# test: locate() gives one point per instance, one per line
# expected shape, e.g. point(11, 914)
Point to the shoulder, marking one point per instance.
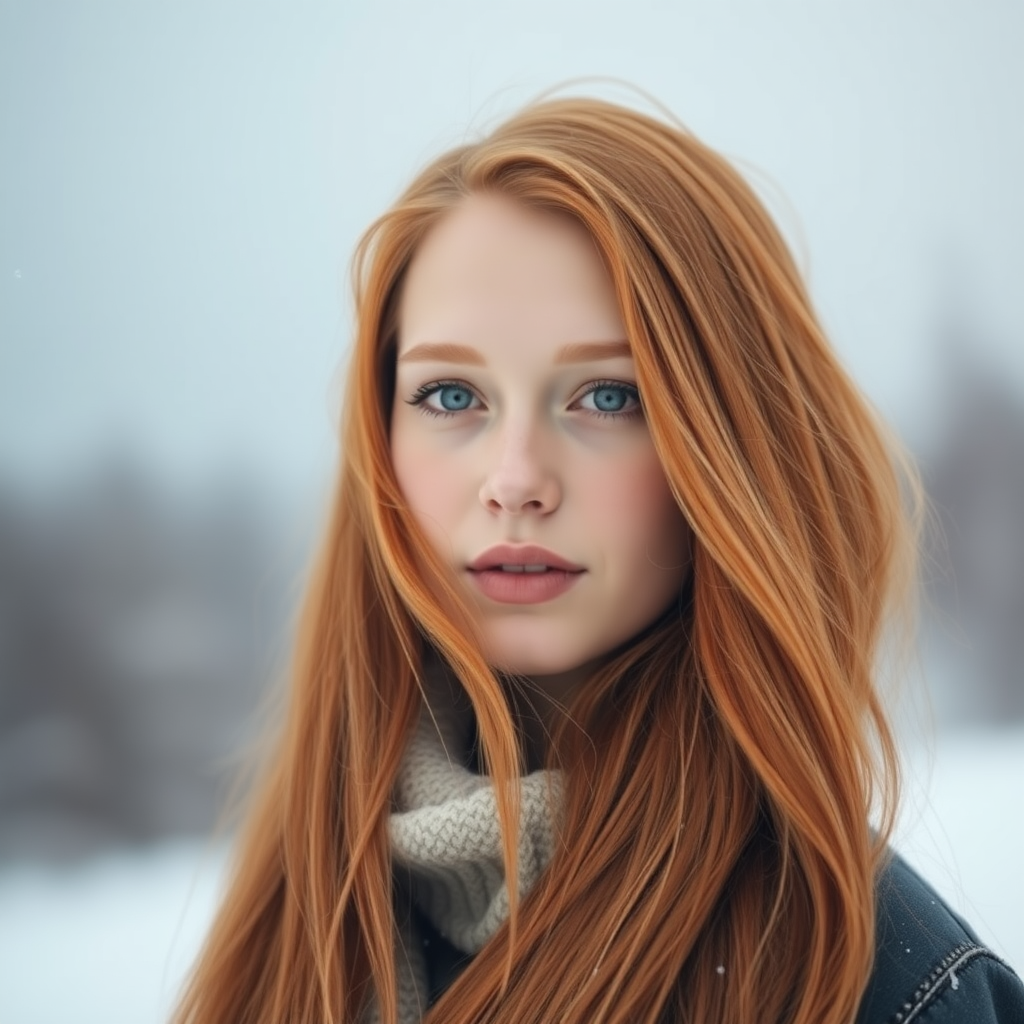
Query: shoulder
point(930, 967)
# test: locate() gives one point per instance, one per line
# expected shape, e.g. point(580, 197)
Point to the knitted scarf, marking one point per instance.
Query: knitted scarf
point(445, 835)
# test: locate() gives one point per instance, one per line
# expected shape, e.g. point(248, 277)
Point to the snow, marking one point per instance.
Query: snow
point(105, 942)
point(109, 941)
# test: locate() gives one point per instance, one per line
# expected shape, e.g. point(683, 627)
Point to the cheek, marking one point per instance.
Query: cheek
point(429, 485)
point(414, 473)
point(633, 506)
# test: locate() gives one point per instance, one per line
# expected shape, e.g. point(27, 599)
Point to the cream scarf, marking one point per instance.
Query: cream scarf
point(444, 832)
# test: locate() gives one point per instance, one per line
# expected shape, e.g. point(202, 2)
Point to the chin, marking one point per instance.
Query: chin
point(552, 645)
point(517, 659)
point(534, 668)
point(536, 658)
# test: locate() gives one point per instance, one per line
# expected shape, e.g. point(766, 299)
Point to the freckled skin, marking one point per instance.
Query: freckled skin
point(530, 455)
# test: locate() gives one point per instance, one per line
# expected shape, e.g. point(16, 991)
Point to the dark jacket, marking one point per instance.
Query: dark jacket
point(930, 967)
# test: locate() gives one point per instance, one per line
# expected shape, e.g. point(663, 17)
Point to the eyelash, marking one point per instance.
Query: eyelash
point(420, 396)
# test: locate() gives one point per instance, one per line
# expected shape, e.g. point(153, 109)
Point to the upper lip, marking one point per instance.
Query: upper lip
point(521, 554)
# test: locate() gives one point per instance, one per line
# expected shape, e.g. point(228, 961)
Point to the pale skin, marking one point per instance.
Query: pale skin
point(517, 420)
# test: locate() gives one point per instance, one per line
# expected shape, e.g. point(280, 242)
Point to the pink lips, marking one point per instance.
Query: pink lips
point(521, 554)
point(497, 574)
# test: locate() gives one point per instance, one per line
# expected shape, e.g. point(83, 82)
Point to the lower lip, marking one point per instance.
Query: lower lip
point(523, 587)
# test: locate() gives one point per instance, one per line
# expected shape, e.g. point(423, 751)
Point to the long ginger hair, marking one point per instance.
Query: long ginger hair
point(722, 769)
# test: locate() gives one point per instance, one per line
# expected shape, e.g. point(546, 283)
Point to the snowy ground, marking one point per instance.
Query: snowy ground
point(109, 942)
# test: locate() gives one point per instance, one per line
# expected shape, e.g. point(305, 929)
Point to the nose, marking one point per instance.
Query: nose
point(521, 477)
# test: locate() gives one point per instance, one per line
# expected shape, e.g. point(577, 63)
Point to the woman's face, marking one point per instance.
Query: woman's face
point(519, 442)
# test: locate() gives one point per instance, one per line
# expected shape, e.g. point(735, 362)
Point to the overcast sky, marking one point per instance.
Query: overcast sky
point(181, 186)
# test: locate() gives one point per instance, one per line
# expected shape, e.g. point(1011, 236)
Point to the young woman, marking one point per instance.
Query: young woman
point(582, 723)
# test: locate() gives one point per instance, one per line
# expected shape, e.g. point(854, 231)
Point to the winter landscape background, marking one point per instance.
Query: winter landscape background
point(180, 191)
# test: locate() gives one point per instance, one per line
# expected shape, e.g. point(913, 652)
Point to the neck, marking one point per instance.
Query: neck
point(540, 706)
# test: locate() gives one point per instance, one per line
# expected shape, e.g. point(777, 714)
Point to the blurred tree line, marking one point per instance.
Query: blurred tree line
point(138, 632)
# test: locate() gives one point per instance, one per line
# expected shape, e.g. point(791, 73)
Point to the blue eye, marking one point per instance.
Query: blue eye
point(610, 398)
point(451, 397)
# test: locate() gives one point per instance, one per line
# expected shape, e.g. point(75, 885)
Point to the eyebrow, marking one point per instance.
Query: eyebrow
point(576, 352)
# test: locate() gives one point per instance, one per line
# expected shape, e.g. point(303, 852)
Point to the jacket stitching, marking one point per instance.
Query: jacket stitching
point(944, 972)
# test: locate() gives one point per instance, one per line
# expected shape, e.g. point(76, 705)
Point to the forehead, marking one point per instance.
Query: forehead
point(494, 268)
